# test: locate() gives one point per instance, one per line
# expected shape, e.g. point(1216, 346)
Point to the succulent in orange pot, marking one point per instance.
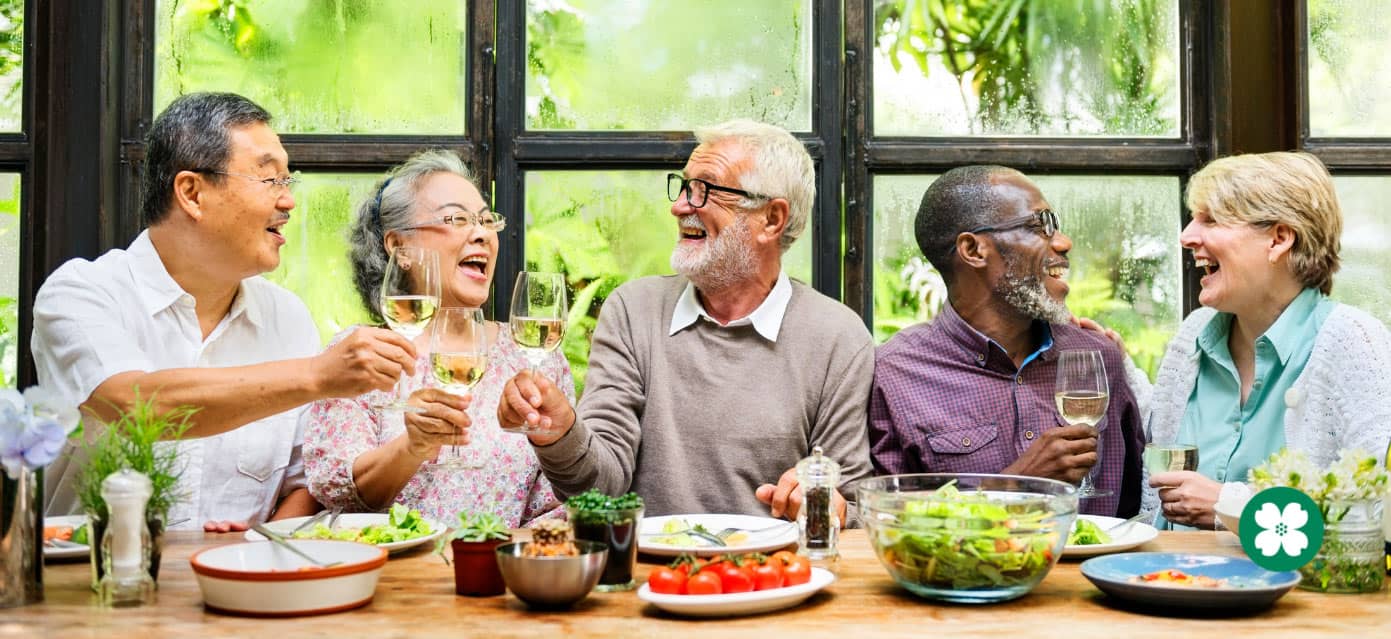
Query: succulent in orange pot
point(474, 543)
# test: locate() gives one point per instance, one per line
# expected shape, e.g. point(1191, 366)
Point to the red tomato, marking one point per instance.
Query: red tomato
point(666, 581)
point(785, 556)
point(797, 572)
point(735, 579)
point(767, 575)
point(704, 583)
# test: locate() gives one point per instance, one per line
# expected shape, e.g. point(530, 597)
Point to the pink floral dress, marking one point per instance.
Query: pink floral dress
point(508, 480)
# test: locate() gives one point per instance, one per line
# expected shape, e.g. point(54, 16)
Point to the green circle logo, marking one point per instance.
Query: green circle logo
point(1281, 529)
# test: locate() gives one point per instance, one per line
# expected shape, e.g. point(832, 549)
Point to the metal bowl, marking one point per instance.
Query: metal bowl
point(552, 582)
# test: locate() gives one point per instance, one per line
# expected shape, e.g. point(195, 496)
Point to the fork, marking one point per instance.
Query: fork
point(319, 516)
point(278, 539)
point(1136, 518)
point(723, 534)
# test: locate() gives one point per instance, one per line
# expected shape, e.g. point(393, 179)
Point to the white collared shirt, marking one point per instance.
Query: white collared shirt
point(766, 319)
point(124, 312)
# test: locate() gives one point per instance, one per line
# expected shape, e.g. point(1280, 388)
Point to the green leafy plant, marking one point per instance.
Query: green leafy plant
point(141, 440)
point(592, 506)
point(475, 527)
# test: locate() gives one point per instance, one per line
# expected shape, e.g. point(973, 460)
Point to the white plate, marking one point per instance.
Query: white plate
point(354, 520)
point(65, 552)
point(1124, 538)
point(783, 535)
point(743, 603)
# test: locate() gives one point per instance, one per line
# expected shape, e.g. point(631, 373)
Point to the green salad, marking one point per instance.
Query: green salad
point(401, 524)
point(1086, 533)
point(959, 541)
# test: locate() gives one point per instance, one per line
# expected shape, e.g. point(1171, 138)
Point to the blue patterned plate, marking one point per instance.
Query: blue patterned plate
point(1245, 586)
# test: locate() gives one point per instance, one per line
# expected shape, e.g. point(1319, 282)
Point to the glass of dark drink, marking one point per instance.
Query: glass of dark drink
point(613, 522)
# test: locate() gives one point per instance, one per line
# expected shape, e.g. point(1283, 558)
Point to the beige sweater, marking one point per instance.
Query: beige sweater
point(694, 422)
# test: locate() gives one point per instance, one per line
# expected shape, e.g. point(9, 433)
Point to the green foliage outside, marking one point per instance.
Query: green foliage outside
point(11, 63)
point(9, 304)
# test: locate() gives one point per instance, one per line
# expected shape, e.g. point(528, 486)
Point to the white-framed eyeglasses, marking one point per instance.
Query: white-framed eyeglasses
point(287, 182)
point(488, 219)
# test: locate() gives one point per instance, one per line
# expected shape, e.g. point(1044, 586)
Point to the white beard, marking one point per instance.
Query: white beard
point(717, 263)
point(1026, 294)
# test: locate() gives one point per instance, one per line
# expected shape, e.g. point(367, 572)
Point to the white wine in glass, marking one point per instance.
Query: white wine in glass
point(458, 361)
point(1082, 395)
point(539, 312)
point(410, 294)
point(1163, 458)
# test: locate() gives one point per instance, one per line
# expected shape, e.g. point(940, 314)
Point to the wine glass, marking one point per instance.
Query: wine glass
point(458, 359)
point(1163, 458)
point(539, 309)
point(410, 294)
point(1081, 395)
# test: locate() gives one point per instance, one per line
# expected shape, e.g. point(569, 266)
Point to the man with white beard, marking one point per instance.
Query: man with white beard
point(972, 390)
point(705, 388)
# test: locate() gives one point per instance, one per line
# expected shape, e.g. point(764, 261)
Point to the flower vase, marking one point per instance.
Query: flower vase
point(1352, 558)
point(98, 530)
point(21, 538)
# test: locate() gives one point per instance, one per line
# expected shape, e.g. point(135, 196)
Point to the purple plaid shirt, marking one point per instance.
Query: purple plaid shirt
point(949, 399)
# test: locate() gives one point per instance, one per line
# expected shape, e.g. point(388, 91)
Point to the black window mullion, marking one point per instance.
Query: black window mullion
point(824, 226)
point(858, 260)
point(509, 122)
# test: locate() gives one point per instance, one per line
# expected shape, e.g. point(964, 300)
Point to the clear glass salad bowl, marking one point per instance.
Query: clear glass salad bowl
point(967, 538)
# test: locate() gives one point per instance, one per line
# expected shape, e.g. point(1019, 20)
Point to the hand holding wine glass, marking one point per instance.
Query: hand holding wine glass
point(539, 313)
point(1082, 395)
point(409, 296)
point(458, 359)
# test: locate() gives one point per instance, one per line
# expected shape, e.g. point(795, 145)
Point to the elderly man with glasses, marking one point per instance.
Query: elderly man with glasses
point(705, 388)
point(181, 317)
point(972, 391)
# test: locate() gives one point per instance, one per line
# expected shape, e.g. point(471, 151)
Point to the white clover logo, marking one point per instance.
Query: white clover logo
point(1281, 529)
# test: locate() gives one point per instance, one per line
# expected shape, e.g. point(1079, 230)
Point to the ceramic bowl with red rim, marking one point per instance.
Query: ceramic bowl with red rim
point(261, 579)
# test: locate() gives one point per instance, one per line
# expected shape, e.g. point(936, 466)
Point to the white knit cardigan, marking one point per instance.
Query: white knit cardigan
point(1341, 400)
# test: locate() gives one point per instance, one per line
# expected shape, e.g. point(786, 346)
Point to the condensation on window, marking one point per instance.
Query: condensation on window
point(604, 228)
point(1366, 263)
point(1027, 68)
point(1124, 265)
point(322, 66)
point(9, 276)
point(604, 65)
point(1349, 94)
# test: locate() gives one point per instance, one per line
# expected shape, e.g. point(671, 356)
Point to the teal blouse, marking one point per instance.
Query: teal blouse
point(1232, 438)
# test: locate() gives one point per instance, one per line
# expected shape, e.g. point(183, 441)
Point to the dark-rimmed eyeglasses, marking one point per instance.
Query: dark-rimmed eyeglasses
point(698, 190)
point(1044, 221)
point(288, 182)
point(488, 219)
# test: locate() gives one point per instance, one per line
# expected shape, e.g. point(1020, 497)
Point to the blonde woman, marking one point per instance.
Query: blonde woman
point(1269, 361)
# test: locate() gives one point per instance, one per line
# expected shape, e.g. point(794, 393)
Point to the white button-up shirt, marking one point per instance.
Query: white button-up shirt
point(766, 319)
point(124, 312)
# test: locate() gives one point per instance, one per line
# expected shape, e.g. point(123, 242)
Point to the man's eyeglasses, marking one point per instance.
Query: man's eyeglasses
point(1045, 221)
point(698, 190)
point(490, 220)
point(288, 182)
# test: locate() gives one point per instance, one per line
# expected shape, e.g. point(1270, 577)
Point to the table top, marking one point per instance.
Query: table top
point(415, 597)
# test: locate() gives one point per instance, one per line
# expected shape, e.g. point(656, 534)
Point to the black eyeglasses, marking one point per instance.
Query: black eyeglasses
point(1046, 222)
point(288, 182)
point(698, 190)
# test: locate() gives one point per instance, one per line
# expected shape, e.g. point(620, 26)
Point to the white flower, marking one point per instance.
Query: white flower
point(1281, 529)
point(33, 429)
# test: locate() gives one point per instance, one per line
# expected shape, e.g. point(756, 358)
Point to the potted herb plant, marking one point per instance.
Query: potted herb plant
point(132, 441)
point(474, 542)
point(612, 521)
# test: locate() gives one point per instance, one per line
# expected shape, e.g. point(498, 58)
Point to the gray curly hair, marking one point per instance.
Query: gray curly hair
point(391, 207)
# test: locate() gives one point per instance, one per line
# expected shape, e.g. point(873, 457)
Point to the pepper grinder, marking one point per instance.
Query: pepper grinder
point(817, 527)
point(126, 544)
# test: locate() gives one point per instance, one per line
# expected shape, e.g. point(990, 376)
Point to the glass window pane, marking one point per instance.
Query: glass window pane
point(314, 261)
point(9, 278)
point(366, 66)
point(1348, 65)
point(11, 68)
point(658, 65)
point(603, 228)
point(1366, 233)
point(1125, 260)
point(1026, 68)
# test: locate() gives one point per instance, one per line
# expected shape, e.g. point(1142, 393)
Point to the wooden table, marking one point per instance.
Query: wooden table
point(415, 598)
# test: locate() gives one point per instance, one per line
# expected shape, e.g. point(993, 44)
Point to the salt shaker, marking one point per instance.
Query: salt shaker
point(817, 478)
point(126, 545)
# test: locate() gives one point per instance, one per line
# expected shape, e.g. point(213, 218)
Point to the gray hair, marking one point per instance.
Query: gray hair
point(960, 199)
point(191, 134)
point(391, 207)
point(781, 168)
